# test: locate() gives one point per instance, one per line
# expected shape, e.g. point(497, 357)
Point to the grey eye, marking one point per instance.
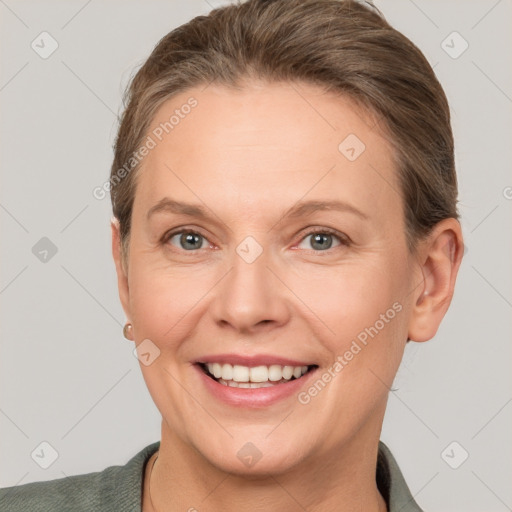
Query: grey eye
point(188, 240)
point(320, 241)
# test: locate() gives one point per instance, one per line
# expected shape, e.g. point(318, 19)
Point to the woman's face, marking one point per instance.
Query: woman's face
point(248, 269)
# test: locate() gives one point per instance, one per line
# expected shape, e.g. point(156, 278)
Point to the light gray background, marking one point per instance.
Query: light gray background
point(68, 377)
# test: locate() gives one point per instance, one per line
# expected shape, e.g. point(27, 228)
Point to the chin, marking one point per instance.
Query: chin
point(259, 457)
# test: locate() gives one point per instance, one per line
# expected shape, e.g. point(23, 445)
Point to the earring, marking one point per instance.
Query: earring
point(127, 330)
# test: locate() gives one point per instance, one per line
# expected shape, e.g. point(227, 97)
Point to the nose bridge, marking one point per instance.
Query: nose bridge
point(250, 294)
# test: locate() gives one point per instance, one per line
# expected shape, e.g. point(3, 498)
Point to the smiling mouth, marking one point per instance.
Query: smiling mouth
point(238, 376)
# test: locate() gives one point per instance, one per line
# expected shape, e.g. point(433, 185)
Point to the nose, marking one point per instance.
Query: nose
point(250, 298)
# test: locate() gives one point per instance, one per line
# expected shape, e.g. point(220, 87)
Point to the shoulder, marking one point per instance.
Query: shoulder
point(114, 488)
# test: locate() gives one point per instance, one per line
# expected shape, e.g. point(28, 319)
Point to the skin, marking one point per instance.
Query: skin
point(248, 156)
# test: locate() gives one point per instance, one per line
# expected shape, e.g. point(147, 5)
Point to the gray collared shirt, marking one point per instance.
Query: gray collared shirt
point(119, 488)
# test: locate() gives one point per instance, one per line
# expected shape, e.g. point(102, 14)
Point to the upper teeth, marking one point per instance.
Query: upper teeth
point(239, 373)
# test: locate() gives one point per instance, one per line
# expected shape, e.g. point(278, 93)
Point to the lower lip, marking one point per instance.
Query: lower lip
point(253, 397)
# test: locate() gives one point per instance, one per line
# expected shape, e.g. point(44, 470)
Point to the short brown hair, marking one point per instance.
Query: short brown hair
point(343, 46)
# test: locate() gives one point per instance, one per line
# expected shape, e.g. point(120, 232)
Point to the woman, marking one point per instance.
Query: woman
point(285, 221)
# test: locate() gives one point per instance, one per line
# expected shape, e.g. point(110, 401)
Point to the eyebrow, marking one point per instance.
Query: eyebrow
point(300, 209)
point(306, 207)
point(167, 205)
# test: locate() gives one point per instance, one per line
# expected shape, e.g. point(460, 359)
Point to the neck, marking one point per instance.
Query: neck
point(182, 479)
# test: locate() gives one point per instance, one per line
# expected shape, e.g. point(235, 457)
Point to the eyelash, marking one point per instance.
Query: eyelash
point(343, 239)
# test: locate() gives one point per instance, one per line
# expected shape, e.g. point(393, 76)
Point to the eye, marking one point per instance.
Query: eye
point(322, 239)
point(187, 240)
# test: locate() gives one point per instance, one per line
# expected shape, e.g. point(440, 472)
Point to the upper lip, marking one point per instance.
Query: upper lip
point(252, 360)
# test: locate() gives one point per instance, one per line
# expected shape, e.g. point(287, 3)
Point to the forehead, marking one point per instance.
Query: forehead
point(266, 142)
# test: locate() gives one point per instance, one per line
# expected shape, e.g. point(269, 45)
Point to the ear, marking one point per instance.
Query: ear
point(122, 274)
point(440, 256)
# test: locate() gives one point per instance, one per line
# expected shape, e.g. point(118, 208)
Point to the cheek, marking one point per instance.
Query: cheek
point(350, 298)
point(166, 301)
point(365, 310)
point(165, 306)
